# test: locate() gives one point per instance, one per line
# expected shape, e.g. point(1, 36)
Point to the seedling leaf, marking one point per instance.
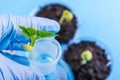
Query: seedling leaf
point(28, 32)
point(44, 34)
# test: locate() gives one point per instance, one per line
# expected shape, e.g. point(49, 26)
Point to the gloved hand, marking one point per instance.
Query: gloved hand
point(11, 38)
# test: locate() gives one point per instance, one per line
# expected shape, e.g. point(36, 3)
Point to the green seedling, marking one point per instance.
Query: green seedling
point(34, 35)
point(66, 15)
point(86, 56)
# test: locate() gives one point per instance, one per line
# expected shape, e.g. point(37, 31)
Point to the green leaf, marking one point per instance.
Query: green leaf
point(24, 31)
point(28, 32)
point(31, 32)
point(44, 34)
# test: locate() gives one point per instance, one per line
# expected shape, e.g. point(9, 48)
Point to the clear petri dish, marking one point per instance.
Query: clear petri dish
point(64, 71)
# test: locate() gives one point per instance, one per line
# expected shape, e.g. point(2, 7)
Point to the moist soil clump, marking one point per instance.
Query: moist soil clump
point(54, 11)
point(96, 69)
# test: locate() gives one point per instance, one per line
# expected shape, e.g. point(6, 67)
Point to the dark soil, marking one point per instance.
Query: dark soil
point(68, 29)
point(96, 69)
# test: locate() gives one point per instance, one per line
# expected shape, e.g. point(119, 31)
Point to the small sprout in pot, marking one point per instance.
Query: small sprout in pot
point(86, 56)
point(66, 15)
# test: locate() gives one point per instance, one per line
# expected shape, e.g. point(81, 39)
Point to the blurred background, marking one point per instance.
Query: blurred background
point(98, 19)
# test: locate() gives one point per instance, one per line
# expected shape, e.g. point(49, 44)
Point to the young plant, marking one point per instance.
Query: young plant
point(34, 35)
point(66, 15)
point(86, 56)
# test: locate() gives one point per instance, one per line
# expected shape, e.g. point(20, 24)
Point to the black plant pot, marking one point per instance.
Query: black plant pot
point(98, 68)
point(54, 11)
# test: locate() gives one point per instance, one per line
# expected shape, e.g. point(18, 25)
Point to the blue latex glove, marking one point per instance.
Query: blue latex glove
point(10, 34)
point(11, 38)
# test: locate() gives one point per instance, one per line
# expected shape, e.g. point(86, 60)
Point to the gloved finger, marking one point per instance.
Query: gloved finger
point(19, 59)
point(16, 46)
point(36, 22)
point(45, 24)
point(10, 70)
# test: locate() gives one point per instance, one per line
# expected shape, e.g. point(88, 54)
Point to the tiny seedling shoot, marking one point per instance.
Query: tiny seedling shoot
point(34, 35)
point(86, 56)
point(66, 15)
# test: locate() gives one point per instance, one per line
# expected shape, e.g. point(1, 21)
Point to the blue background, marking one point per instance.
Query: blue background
point(99, 19)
